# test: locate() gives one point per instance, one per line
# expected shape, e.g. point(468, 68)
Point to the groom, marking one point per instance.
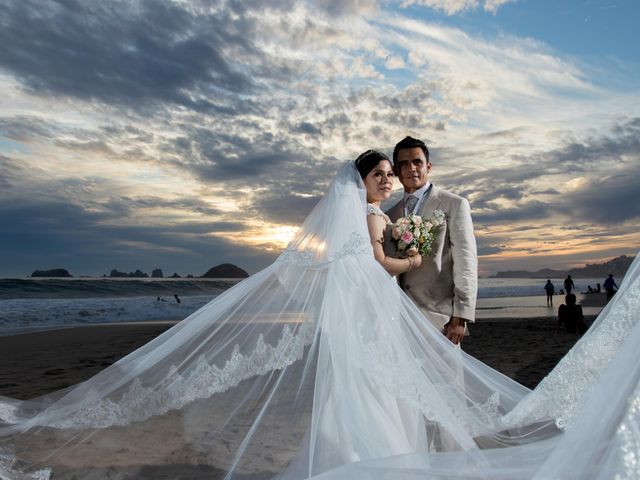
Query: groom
point(445, 286)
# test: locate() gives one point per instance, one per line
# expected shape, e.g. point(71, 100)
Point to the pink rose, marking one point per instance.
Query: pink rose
point(403, 221)
point(407, 237)
point(417, 220)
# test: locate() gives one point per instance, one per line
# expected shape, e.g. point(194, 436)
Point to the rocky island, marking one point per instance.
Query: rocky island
point(225, 270)
point(137, 274)
point(54, 272)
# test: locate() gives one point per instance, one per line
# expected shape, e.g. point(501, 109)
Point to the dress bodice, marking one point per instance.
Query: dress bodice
point(373, 210)
point(387, 246)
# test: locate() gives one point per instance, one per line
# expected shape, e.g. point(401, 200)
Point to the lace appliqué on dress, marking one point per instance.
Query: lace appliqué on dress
point(177, 390)
point(356, 244)
point(373, 210)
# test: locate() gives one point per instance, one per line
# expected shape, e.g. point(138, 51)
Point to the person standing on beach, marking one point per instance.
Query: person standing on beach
point(445, 286)
point(610, 286)
point(568, 284)
point(551, 290)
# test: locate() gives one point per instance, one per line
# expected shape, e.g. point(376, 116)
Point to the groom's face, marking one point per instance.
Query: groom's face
point(413, 168)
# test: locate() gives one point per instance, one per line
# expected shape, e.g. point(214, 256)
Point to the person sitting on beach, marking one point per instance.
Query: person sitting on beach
point(590, 290)
point(571, 315)
point(610, 286)
point(550, 289)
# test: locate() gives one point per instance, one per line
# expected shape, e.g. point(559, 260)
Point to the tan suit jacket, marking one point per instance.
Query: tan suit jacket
point(446, 284)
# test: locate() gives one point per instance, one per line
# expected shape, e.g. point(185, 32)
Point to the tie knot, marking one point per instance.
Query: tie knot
point(410, 203)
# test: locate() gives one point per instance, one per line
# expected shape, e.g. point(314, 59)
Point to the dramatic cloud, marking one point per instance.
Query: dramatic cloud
point(126, 52)
point(451, 7)
point(144, 132)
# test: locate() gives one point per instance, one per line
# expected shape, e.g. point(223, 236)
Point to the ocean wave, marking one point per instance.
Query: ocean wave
point(108, 287)
point(41, 313)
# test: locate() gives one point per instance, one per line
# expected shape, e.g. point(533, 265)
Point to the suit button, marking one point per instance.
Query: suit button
point(407, 287)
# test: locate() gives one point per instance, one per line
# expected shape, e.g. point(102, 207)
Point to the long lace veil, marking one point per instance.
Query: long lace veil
point(317, 365)
point(594, 396)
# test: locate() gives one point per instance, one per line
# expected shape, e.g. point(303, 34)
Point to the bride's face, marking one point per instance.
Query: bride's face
point(379, 182)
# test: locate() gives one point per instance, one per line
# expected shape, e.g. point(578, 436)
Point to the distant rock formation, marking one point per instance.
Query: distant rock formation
point(157, 273)
point(175, 275)
point(54, 272)
point(137, 274)
point(226, 270)
point(617, 266)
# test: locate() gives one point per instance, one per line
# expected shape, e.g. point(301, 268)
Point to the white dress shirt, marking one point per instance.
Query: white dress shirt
point(420, 194)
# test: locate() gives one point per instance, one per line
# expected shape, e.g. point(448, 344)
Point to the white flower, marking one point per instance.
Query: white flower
point(438, 218)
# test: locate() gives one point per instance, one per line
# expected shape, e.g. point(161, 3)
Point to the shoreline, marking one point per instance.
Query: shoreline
point(528, 307)
point(37, 363)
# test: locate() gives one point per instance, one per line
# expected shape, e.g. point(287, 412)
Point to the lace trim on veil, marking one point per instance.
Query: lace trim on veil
point(8, 472)
point(561, 393)
point(8, 413)
point(628, 439)
point(177, 390)
point(400, 381)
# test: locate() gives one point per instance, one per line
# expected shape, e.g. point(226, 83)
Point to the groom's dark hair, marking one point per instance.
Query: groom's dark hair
point(409, 142)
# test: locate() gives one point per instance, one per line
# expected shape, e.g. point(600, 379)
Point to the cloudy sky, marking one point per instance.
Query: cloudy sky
point(182, 134)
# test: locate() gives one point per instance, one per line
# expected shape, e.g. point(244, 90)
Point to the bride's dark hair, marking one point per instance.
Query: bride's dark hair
point(368, 160)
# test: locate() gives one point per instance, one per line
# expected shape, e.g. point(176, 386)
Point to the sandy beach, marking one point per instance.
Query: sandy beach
point(37, 363)
point(524, 350)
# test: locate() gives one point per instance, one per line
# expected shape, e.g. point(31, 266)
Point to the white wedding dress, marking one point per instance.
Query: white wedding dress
point(319, 366)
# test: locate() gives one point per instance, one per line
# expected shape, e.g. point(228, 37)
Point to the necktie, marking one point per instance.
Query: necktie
point(410, 203)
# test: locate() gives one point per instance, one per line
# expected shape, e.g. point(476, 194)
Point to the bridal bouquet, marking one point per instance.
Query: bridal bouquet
point(414, 235)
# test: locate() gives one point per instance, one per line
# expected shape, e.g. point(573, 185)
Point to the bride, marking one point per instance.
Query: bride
point(319, 366)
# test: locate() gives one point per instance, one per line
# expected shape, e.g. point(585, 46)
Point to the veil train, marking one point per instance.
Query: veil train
point(320, 366)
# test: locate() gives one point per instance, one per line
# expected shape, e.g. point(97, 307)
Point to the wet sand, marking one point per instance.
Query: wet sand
point(37, 363)
point(524, 350)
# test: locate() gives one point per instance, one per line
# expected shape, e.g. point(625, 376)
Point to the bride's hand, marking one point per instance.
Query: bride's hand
point(416, 261)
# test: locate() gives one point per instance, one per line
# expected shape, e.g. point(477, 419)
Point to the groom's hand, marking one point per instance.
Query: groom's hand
point(454, 329)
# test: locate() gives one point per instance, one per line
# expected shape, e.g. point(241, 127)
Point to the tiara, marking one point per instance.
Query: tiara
point(366, 154)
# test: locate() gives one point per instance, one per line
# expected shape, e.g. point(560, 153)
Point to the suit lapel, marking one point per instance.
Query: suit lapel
point(431, 203)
